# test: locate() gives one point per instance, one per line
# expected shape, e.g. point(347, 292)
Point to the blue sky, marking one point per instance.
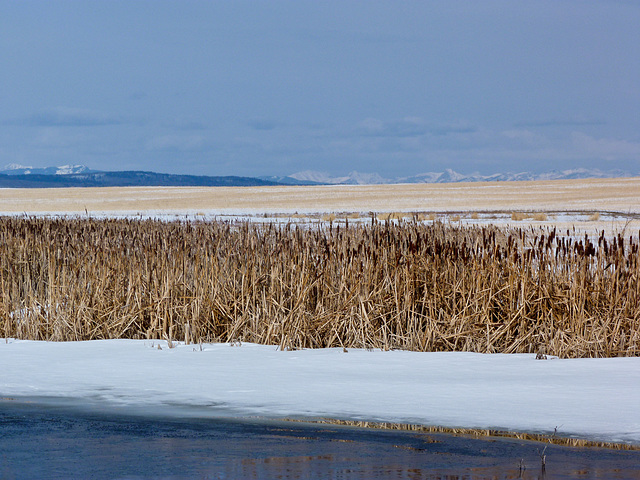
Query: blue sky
point(276, 87)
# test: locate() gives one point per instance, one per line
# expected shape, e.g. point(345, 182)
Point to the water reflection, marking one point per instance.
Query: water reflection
point(54, 443)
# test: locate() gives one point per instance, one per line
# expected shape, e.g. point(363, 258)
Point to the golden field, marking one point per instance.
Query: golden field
point(587, 205)
point(620, 195)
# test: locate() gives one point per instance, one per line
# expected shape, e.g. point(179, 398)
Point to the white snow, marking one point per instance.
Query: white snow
point(69, 169)
point(15, 166)
point(588, 398)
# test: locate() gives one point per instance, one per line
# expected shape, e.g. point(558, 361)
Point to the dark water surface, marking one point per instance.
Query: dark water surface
point(48, 442)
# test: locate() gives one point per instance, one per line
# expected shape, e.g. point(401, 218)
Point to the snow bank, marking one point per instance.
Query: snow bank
point(590, 398)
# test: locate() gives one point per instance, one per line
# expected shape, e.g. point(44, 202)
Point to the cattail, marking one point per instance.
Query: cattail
point(381, 285)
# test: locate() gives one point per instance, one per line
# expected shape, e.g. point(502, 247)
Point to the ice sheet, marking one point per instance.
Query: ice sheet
point(589, 398)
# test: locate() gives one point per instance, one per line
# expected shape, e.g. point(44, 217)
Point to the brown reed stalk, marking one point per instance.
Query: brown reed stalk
point(476, 432)
point(393, 284)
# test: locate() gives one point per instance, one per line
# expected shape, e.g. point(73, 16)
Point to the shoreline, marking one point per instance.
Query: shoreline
point(71, 406)
point(576, 442)
point(439, 391)
point(105, 445)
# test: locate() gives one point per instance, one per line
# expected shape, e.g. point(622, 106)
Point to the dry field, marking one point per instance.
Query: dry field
point(589, 205)
point(619, 194)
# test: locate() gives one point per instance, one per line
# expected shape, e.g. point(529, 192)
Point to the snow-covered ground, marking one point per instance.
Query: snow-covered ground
point(576, 222)
point(588, 398)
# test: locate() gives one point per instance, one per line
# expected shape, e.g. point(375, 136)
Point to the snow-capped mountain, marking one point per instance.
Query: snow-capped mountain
point(353, 178)
point(451, 176)
point(20, 176)
point(15, 169)
point(80, 175)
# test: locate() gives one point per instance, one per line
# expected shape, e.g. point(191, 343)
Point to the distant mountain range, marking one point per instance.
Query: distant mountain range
point(15, 169)
point(20, 176)
point(448, 176)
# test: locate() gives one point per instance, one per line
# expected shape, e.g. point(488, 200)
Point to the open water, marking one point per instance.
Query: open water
point(61, 442)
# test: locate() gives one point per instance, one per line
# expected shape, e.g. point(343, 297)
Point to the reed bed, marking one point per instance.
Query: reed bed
point(474, 432)
point(388, 285)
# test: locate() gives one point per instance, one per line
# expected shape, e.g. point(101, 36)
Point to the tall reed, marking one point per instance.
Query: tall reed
point(406, 285)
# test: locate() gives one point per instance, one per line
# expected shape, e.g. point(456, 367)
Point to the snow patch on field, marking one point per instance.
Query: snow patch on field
point(588, 398)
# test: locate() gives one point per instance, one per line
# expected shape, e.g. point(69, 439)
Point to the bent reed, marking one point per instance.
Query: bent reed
point(471, 432)
point(388, 285)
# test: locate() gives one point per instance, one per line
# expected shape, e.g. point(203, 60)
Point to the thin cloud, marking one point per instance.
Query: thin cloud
point(176, 143)
point(136, 96)
point(185, 123)
point(60, 138)
point(409, 127)
point(262, 124)
point(606, 148)
point(557, 122)
point(452, 129)
point(67, 117)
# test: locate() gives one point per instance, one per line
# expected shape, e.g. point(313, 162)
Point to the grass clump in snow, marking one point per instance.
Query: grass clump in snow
point(520, 216)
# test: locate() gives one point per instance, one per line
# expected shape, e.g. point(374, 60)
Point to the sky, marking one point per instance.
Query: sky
point(257, 88)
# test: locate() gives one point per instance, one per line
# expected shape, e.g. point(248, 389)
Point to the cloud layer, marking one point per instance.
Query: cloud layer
point(272, 88)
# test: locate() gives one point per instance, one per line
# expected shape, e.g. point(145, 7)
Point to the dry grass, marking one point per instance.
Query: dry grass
point(426, 429)
point(619, 195)
point(421, 217)
point(520, 216)
point(387, 285)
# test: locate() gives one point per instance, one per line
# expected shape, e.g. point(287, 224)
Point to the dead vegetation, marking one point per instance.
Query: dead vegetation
point(537, 216)
point(474, 432)
point(581, 195)
point(404, 284)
